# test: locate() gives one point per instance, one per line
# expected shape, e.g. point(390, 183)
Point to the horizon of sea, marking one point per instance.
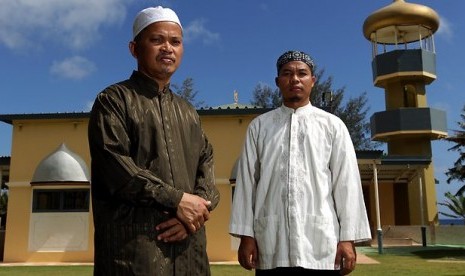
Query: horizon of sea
point(451, 222)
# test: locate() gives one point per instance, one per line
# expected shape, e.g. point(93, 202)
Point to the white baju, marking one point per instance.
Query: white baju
point(298, 189)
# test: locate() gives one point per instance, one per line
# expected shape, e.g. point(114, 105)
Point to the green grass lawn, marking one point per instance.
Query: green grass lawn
point(432, 260)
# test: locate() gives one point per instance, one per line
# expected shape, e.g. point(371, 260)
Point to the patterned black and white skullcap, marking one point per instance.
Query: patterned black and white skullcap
point(294, 56)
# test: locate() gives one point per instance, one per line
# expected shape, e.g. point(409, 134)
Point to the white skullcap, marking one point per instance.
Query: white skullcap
point(151, 15)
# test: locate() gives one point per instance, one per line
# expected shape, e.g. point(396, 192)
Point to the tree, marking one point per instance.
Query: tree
point(3, 201)
point(322, 87)
point(3, 206)
point(186, 91)
point(456, 204)
point(353, 113)
point(265, 97)
point(457, 172)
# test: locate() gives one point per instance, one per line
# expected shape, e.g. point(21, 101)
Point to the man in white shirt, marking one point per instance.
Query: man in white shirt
point(298, 204)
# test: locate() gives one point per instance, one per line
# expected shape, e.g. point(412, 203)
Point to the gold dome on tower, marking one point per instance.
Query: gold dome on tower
point(401, 22)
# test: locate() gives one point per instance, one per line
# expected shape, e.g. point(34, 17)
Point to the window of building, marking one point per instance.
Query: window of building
point(64, 200)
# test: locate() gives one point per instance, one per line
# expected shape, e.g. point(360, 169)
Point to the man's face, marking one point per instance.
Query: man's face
point(295, 81)
point(158, 50)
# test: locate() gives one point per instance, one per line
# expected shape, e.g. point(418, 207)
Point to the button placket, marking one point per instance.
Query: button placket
point(167, 129)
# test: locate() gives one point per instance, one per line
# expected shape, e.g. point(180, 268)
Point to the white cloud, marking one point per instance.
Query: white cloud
point(75, 68)
point(197, 30)
point(72, 23)
point(445, 29)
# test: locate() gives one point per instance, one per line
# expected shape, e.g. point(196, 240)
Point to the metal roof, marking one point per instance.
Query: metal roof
point(232, 111)
point(391, 168)
point(9, 118)
point(220, 110)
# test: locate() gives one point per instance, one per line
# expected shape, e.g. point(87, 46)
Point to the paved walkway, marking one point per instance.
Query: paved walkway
point(364, 259)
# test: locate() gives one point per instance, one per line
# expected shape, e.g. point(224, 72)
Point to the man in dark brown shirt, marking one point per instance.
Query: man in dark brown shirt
point(152, 165)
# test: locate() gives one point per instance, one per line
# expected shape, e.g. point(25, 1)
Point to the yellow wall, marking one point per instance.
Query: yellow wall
point(226, 134)
point(429, 215)
point(420, 146)
point(17, 231)
point(33, 140)
point(386, 207)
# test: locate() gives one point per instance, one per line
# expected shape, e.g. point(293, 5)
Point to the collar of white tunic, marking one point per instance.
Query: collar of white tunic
point(302, 109)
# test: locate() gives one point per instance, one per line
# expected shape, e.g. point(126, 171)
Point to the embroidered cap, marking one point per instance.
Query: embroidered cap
point(151, 15)
point(294, 56)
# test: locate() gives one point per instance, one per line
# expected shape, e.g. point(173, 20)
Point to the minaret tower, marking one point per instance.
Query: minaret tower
point(404, 62)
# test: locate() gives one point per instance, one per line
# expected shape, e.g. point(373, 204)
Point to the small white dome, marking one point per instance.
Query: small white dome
point(62, 165)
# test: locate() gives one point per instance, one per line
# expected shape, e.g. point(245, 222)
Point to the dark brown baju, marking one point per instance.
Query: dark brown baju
point(147, 148)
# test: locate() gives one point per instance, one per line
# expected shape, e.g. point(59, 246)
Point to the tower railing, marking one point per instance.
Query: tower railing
point(402, 37)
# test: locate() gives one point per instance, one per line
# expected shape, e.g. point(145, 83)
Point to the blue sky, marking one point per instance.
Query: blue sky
point(56, 55)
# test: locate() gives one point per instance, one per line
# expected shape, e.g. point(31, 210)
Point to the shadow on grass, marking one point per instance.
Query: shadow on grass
point(435, 254)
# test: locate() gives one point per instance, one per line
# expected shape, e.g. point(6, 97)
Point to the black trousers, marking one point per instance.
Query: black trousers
point(294, 271)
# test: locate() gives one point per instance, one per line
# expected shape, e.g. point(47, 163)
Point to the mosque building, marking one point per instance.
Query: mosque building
point(50, 213)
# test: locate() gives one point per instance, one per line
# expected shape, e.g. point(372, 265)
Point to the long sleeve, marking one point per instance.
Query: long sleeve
point(112, 164)
point(242, 215)
point(347, 188)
